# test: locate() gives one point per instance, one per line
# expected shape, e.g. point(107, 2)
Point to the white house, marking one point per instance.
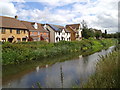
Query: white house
point(57, 33)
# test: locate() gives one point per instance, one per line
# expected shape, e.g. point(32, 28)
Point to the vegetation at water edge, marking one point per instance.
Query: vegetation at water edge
point(107, 72)
point(26, 51)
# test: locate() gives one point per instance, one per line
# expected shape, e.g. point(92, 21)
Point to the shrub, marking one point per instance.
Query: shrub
point(25, 51)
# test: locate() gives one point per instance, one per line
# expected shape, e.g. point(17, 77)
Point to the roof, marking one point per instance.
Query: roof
point(55, 28)
point(8, 22)
point(96, 30)
point(29, 26)
point(74, 26)
point(58, 28)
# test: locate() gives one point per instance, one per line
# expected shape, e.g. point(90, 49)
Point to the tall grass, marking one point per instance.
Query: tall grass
point(107, 72)
point(26, 51)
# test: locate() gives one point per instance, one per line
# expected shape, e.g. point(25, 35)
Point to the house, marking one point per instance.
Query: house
point(98, 33)
point(57, 33)
point(36, 31)
point(12, 30)
point(75, 31)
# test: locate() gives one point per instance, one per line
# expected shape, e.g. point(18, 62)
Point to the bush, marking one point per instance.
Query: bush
point(25, 51)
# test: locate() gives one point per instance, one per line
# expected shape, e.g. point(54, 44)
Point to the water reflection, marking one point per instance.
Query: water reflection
point(46, 66)
point(80, 56)
point(62, 78)
point(65, 74)
point(37, 68)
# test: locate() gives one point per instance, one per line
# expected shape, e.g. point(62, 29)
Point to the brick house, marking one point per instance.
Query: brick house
point(12, 30)
point(36, 31)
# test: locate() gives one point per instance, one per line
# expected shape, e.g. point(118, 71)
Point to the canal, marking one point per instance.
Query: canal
point(67, 74)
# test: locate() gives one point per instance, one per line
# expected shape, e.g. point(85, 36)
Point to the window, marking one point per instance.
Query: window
point(18, 31)
point(63, 33)
point(67, 33)
point(57, 39)
point(18, 39)
point(3, 31)
point(31, 33)
point(10, 39)
point(10, 30)
point(23, 39)
point(69, 38)
point(59, 33)
point(24, 31)
point(3, 39)
point(0, 29)
point(62, 38)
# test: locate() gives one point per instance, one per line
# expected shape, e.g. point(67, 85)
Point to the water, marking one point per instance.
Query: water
point(62, 74)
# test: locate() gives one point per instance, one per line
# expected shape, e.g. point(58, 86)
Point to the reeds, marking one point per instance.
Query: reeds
point(107, 72)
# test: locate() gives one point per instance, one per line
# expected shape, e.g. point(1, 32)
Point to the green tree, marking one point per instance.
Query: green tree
point(98, 34)
point(86, 32)
point(105, 33)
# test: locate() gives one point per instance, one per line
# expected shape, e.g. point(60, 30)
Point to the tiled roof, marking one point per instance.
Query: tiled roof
point(74, 26)
point(58, 28)
point(29, 26)
point(8, 22)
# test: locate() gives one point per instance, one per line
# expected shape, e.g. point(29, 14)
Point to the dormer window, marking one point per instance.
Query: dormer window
point(35, 25)
point(45, 26)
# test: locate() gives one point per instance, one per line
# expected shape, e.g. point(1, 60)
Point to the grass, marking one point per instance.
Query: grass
point(107, 72)
point(26, 51)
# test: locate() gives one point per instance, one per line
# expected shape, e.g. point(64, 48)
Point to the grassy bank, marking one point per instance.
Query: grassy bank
point(27, 51)
point(107, 72)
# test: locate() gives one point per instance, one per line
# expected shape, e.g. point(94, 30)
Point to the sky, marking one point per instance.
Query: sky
point(99, 14)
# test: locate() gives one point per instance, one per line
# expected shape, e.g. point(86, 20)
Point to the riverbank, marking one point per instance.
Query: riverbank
point(75, 67)
point(107, 72)
point(27, 51)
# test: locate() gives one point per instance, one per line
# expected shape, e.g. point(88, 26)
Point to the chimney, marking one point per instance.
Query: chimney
point(16, 17)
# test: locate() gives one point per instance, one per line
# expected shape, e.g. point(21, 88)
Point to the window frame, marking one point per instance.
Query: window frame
point(3, 29)
point(19, 39)
point(11, 30)
point(17, 30)
point(24, 31)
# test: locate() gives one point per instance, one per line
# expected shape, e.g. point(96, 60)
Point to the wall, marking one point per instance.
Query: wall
point(63, 34)
point(72, 34)
point(80, 34)
point(51, 34)
point(14, 34)
point(39, 36)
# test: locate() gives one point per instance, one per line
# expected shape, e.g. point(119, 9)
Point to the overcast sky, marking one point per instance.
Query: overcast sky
point(99, 14)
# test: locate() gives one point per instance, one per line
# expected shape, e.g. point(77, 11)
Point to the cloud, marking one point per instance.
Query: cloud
point(7, 8)
point(98, 14)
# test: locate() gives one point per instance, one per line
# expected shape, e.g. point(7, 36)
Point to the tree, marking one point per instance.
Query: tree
point(84, 24)
point(86, 32)
point(105, 33)
point(98, 34)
